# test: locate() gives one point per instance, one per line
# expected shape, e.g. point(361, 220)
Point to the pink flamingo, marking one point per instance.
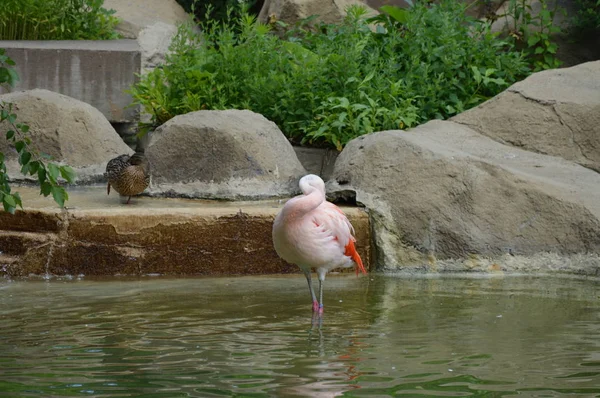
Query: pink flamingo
point(314, 233)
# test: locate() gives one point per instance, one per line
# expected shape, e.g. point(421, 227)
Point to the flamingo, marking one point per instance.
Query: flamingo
point(313, 233)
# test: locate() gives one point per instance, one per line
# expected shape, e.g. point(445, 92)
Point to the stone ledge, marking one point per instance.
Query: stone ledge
point(98, 236)
point(95, 72)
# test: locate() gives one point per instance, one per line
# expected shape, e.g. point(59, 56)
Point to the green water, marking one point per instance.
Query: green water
point(254, 337)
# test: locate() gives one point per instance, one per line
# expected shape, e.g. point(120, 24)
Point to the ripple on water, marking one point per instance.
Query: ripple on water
point(380, 336)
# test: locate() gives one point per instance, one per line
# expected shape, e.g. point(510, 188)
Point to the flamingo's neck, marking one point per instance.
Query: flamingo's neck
point(302, 204)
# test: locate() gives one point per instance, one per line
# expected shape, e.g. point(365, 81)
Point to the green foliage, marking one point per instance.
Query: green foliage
point(327, 84)
point(216, 9)
point(32, 162)
point(56, 20)
point(587, 18)
point(533, 33)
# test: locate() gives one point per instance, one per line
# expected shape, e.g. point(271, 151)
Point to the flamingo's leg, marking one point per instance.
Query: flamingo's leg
point(321, 281)
point(312, 291)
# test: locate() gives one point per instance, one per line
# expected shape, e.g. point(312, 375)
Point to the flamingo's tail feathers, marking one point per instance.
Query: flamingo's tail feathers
point(351, 252)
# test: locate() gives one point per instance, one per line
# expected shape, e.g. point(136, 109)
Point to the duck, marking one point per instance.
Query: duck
point(129, 175)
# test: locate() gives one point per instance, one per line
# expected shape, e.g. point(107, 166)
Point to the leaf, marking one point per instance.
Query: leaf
point(7, 207)
point(9, 200)
point(398, 14)
point(67, 173)
point(46, 188)
point(10, 134)
point(19, 145)
point(41, 174)
point(25, 169)
point(13, 77)
point(368, 78)
point(33, 167)
point(60, 195)
point(555, 29)
point(476, 74)
point(499, 81)
point(24, 158)
point(53, 172)
point(17, 198)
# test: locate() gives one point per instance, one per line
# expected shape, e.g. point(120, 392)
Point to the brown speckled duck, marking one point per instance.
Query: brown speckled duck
point(128, 175)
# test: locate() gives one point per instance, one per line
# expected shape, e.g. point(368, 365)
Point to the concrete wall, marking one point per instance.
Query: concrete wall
point(96, 72)
point(156, 236)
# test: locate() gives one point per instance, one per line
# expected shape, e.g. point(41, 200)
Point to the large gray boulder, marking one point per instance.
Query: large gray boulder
point(137, 15)
point(67, 129)
point(556, 112)
point(231, 154)
point(442, 192)
point(152, 22)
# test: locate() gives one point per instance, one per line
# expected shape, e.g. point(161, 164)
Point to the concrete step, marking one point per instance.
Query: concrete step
point(6, 259)
point(97, 235)
point(18, 243)
point(9, 264)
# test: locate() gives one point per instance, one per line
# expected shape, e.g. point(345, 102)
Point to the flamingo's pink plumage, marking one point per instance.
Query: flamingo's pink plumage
point(314, 233)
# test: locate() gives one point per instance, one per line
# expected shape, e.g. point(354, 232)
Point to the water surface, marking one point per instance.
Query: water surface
point(254, 337)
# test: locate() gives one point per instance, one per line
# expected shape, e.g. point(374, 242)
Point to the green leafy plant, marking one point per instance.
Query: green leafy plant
point(56, 20)
point(217, 9)
point(325, 84)
point(586, 20)
point(32, 162)
point(533, 32)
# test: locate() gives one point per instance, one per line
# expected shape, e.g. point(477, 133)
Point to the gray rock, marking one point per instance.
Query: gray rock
point(292, 11)
point(555, 112)
point(67, 129)
point(136, 15)
point(152, 22)
point(442, 192)
point(154, 41)
point(229, 154)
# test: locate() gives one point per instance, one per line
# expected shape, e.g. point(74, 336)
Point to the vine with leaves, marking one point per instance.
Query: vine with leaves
point(32, 161)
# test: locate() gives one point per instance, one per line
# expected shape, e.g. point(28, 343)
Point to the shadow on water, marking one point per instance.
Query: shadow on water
point(256, 337)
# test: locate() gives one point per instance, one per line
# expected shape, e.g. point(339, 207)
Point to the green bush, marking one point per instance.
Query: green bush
point(587, 18)
point(328, 84)
point(56, 20)
point(216, 9)
point(533, 32)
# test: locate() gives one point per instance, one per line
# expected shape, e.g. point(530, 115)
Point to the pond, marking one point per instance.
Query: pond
point(255, 337)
